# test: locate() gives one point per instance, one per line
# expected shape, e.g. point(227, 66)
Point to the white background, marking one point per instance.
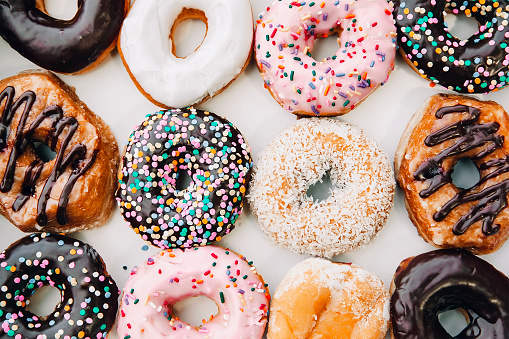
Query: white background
point(110, 93)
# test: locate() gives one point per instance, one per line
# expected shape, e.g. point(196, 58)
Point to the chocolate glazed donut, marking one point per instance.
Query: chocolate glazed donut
point(65, 46)
point(89, 296)
point(429, 284)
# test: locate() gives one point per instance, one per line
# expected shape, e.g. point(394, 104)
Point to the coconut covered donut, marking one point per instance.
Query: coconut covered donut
point(75, 189)
point(284, 39)
point(170, 81)
point(446, 129)
point(359, 202)
point(322, 299)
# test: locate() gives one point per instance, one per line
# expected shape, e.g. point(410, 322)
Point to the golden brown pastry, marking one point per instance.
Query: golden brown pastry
point(448, 128)
point(319, 299)
point(58, 160)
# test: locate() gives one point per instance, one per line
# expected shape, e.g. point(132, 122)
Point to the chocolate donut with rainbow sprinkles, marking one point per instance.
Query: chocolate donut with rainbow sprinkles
point(479, 64)
point(168, 146)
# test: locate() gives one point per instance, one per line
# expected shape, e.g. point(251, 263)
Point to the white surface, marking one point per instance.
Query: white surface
point(110, 93)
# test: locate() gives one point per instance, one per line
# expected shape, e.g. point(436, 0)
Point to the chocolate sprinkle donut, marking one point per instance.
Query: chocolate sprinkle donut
point(431, 283)
point(89, 297)
point(478, 64)
point(168, 144)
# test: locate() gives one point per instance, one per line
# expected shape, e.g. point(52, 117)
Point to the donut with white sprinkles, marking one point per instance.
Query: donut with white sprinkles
point(478, 64)
point(89, 296)
point(178, 142)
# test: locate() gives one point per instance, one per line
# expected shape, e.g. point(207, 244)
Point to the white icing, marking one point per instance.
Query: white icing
point(181, 82)
point(359, 202)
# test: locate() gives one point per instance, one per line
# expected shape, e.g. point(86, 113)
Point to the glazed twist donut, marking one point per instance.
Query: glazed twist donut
point(284, 40)
point(206, 147)
point(478, 64)
point(446, 129)
point(74, 190)
point(89, 296)
point(64, 46)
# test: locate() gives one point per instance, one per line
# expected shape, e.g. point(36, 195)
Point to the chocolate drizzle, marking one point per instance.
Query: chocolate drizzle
point(469, 135)
point(61, 125)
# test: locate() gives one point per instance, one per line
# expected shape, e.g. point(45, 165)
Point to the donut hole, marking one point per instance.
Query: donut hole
point(183, 179)
point(58, 9)
point(195, 310)
point(322, 189)
point(460, 25)
point(465, 174)
point(43, 151)
point(453, 321)
point(325, 47)
point(188, 32)
point(44, 301)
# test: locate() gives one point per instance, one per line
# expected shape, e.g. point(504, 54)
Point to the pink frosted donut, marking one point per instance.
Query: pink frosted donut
point(284, 39)
point(240, 294)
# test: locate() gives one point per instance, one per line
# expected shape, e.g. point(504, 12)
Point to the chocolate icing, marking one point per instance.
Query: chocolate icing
point(469, 135)
point(89, 296)
point(65, 46)
point(474, 65)
point(442, 280)
point(75, 158)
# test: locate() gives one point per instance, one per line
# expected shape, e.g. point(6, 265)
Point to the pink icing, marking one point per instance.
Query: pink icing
point(170, 276)
point(284, 40)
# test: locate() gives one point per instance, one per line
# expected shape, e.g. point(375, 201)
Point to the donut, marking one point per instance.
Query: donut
point(431, 283)
point(448, 128)
point(241, 296)
point(299, 157)
point(478, 64)
point(65, 46)
point(89, 296)
point(322, 299)
point(183, 142)
point(170, 81)
point(74, 188)
point(284, 40)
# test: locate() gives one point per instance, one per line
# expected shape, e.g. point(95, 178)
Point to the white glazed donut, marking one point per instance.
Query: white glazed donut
point(170, 81)
point(241, 296)
point(359, 202)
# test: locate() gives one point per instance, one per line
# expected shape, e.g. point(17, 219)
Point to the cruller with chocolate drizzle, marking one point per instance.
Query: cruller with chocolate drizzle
point(446, 129)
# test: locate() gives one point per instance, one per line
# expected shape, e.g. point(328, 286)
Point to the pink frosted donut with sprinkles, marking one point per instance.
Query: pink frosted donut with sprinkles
point(160, 153)
point(88, 295)
point(284, 39)
point(241, 296)
point(478, 64)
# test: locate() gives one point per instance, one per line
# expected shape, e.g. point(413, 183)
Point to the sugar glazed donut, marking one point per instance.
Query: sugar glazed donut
point(153, 288)
point(448, 128)
point(65, 46)
point(205, 147)
point(359, 202)
point(170, 81)
point(284, 39)
point(322, 299)
point(75, 189)
point(89, 297)
point(431, 283)
point(478, 64)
